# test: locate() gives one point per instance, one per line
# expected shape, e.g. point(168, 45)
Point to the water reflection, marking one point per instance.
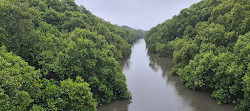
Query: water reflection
point(200, 101)
point(119, 105)
point(154, 88)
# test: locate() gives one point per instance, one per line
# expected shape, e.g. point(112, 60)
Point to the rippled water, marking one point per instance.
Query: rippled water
point(154, 89)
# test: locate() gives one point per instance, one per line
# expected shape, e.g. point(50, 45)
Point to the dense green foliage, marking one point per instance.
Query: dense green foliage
point(73, 56)
point(22, 87)
point(210, 45)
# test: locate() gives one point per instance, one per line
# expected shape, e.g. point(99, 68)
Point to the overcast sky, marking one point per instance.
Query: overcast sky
point(139, 14)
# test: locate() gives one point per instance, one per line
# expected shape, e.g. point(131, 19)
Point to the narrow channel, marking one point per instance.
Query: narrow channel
point(153, 88)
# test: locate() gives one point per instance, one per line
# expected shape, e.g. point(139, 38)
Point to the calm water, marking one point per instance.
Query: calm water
point(154, 89)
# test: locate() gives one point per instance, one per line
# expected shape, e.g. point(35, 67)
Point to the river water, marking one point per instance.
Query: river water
point(153, 88)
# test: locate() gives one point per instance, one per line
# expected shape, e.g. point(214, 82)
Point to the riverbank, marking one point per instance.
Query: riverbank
point(154, 88)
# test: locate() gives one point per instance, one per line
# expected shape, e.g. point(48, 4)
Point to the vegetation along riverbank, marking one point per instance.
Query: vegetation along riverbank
point(210, 46)
point(56, 55)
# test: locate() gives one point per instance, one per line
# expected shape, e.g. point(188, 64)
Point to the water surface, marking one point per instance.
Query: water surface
point(154, 89)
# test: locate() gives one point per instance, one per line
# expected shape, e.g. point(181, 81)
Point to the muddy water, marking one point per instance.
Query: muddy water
point(154, 89)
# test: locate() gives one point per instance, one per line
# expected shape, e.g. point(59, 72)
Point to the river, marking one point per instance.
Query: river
point(153, 88)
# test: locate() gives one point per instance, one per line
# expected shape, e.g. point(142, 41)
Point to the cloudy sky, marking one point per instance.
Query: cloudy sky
point(139, 14)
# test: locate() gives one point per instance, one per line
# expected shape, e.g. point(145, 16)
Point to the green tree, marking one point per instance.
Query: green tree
point(209, 43)
point(19, 82)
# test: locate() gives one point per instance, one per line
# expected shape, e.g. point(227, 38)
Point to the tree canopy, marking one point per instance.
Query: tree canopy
point(210, 46)
point(56, 55)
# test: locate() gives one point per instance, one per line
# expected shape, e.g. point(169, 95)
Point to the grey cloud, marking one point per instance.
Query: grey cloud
point(139, 14)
